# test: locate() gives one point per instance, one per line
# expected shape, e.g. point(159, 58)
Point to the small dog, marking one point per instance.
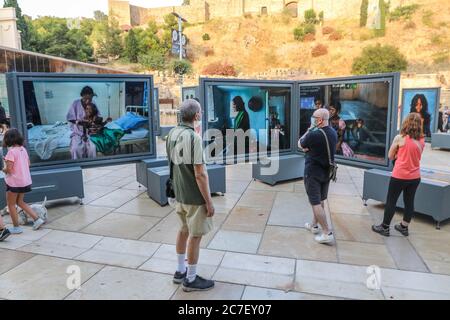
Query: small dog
point(40, 209)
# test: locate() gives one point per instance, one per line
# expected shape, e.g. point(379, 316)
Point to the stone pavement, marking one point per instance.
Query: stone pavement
point(123, 243)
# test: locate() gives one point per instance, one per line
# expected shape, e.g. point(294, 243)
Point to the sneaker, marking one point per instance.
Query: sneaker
point(325, 238)
point(314, 229)
point(402, 229)
point(178, 277)
point(16, 230)
point(381, 230)
point(4, 234)
point(38, 223)
point(199, 284)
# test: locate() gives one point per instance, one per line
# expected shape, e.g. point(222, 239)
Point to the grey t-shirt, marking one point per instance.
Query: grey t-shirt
point(184, 149)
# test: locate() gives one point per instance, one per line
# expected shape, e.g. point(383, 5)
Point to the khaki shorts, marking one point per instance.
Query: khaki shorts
point(194, 219)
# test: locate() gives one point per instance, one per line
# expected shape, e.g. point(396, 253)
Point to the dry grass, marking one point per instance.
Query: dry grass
point(255, 44)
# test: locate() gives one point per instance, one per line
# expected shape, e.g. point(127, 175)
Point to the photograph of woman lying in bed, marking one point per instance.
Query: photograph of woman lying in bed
point(84, 121)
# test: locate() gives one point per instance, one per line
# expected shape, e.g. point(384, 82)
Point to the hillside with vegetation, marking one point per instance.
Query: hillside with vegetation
point(412, 38)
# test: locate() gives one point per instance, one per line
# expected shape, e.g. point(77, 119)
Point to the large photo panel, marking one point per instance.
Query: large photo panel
point(79, 119)
point(260, 109)
point(361, 112)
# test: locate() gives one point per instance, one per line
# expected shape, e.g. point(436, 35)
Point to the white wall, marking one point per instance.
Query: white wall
point(9, 35)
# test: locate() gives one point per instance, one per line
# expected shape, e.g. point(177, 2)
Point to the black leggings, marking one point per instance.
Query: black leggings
point(396, 186)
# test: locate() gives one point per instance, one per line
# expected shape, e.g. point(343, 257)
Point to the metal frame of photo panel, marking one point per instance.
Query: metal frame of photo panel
point(18, 116)
point(394, 79)
point(436, 109)
point(157, 114)
point(251, 83)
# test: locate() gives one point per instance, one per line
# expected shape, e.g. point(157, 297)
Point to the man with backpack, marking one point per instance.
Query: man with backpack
point(190, 184)
point(319, 144)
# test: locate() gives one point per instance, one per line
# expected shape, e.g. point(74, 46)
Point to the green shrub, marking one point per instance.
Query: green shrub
point(311, 17)
point(379, 59)
point(181, 67)
point(206, 37)
point(304, 29)
point(403, 12)
point(363, 13)
point(154, 60)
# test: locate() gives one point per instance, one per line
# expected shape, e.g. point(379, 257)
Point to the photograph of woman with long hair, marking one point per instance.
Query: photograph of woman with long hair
point(419, 104)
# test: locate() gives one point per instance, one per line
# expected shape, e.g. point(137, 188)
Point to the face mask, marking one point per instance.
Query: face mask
point(313, 122)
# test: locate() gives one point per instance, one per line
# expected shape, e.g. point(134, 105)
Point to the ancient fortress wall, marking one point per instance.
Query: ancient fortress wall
point(201, 10)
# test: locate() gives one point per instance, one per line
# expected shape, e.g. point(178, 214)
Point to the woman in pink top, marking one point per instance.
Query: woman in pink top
point(18, 179)
point(406, 150)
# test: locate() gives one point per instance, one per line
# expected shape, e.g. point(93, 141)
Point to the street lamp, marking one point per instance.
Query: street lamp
point(180, 40)
point(180, 31)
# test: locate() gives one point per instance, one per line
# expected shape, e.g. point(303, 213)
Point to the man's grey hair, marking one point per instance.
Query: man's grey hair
point(188, 109)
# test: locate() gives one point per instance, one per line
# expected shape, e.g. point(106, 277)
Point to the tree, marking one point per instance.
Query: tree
point(364, 13)
point(155, 60)
point(170, 23)
point(132, 46)
point(100, 15)
point(52, 36)
point(379, 59)
point(381, 32)
point(22, 24)
point(107, 36)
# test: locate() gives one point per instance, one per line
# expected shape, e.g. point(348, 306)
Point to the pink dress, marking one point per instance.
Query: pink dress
point(79, 148)
point(20, 176)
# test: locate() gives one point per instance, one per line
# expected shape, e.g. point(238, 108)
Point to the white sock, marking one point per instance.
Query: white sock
point(192, 272)
point(181, 263)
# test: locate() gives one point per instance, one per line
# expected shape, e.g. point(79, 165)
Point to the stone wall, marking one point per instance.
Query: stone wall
point(203, 10)
point(218, 9)
point(255, 6)
point(120, 10)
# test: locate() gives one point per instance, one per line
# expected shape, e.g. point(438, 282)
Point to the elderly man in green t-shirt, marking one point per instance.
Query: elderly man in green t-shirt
point(191, 186)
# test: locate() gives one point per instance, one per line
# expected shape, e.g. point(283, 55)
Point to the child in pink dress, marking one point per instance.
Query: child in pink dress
point(18, 179)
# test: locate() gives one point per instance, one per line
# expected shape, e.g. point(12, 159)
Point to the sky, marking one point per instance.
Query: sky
point(79, 8)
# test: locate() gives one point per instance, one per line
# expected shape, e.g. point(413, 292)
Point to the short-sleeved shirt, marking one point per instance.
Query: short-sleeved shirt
point(20, 175)
point(184, 149)
point(317, 161)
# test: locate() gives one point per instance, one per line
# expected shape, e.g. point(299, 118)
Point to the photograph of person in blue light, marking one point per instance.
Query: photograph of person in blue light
point(253, 110)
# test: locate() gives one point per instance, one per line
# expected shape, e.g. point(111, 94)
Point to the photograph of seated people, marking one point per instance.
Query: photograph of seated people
point(358, 114)
point(76, 121)
point(241, 108)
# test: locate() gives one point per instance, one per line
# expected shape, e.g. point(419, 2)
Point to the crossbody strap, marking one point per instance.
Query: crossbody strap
point(176, 142)
point(328, 147)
